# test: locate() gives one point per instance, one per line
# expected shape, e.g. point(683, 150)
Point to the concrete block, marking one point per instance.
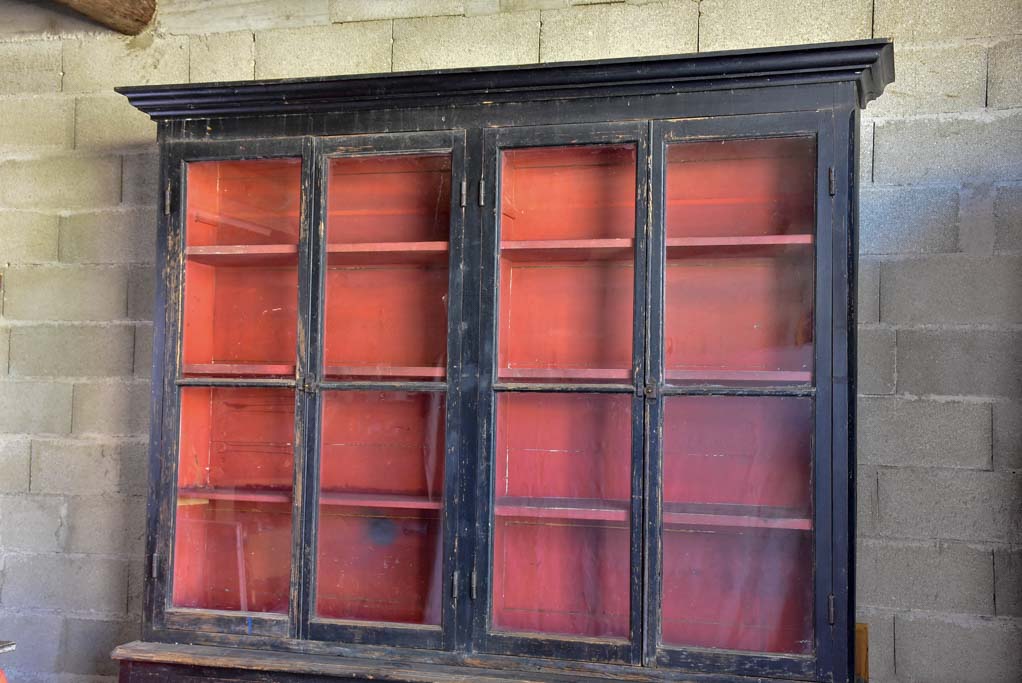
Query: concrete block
point(446, 42)
point(960, 362)
point(27, 237)
point(141, 180)
point(908, 220)
point(43, 631)
point(65, 583)
point(977, 232)
point(877, 360)
point(23, 19)
point(526, 5)
point(603, 31)
point(221, 57)
point(35, 408)
point(957, 649)
point(963, 505)
point(111, 408)
point(30, 67)
point(866, 501)
point(132, 465)
point(143, 356)
point(359, 48)
point(33, 523)
point(868, 308)
point(943, 577)
point(14, 465)
point(952, 289)
point(141, 293)
point(1004, 85)
point(943, 150)
point(60, 183)
point(910, 21)
point(117, 236)
point(935, 79)
point(866, 128)
point(1007, 218)
point(72, 351)
point(5, 346)
point(62, 293)
point(1008, 588)
point(1007, 436)
point(358, 10)
point(898, 431)
point(75, 468)
point(88, 643)
point(101, 63)
point(113, 525)
point(881, 642)
point(202, 16)
point(110, 122)
point(32, 123)
point(136, 587)
point(734, 24)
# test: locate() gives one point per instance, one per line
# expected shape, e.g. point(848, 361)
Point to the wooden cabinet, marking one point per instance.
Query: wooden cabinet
point(539, 373)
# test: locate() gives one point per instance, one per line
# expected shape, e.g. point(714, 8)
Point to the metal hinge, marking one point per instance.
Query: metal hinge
point(472, 585)
point(166, 200)
point(830, 609)
point(648, 390)
point(464, 191)
point(454, 587)
point(154, 564)
point(832, 181)
point(306, 386)
point(482, 192)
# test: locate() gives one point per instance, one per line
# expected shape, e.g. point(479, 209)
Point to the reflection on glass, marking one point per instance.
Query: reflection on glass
point(232, 537)
point(738, 286)
point(567, 227)
point(241, 267)
point(388, 229)
point(737, 523)
point(379, 554)
point(561, 516)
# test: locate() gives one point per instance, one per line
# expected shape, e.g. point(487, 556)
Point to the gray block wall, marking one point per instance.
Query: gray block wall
point(940, 494)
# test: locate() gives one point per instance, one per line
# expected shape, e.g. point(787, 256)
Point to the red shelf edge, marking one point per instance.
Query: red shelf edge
point(239, 369)
point(739, 241)
point(565, 373)
point(391, 371)
point(794, 376)
point(377, 500)
point(242, 495)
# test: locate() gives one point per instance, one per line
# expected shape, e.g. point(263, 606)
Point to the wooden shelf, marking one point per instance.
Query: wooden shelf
point(580, 374)
point(387, 253)
point(726, 376)
point(199, 495)
point(244, 255)
point(369, 371)
point(562, 508)
point(378, 500)
point(687, 247)
point(568, 250)
point(238, 369)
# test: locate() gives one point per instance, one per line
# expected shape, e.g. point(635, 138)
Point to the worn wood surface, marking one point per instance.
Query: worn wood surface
point(126, 16)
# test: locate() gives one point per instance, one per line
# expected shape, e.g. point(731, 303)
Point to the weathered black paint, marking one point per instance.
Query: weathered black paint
point(813, 90)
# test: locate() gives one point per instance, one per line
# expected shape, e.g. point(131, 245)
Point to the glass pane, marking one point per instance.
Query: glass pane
point(232, 548)
point(241, 267)
point(380, 555)
point(562, 481)
point(566, 264)
point(387, 251)
point(738, 287)
point(737, 523)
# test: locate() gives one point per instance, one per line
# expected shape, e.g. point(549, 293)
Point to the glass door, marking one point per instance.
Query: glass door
point(562, 371)
point(234, 396)
point(736, 346)
point(387, 352)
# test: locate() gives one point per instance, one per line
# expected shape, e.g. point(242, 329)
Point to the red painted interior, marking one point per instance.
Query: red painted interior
point(241, 272)
point(386, 296)
point(562, 487)
point(233, 534)
point(379, 552)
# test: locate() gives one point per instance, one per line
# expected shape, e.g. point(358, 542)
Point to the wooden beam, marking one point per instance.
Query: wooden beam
point(126, 16)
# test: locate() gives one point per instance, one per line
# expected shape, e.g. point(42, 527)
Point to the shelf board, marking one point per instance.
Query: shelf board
point(378, 500)
point(386, 253)
point(583, 374)
point(562, 508)
point(695, 519)
point(568, 250)
point(739, 241)
point(725, 376)
point(238, 369)
point(369, 371)
point(244, 255)
point(199, 495)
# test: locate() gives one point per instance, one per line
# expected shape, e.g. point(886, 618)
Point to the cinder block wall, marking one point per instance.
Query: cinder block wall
point(940, 517)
